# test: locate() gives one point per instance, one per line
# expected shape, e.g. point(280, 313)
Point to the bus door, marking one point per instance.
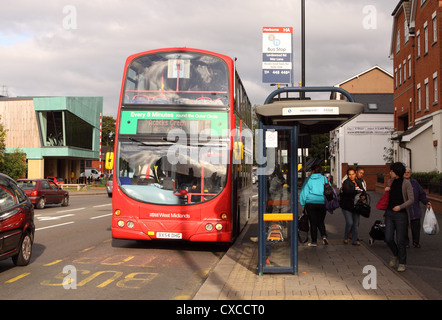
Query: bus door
point(278, 210)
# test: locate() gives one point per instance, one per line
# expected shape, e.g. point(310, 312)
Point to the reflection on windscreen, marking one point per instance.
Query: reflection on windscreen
point(177, 78)
point(156, 175)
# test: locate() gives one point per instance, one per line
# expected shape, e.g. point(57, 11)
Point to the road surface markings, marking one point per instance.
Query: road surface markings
point(54, 226)
point(102, 216)
point(52, 263)
point(18, 277)
point(47, 218)
point(102, 205)
point(63, 211)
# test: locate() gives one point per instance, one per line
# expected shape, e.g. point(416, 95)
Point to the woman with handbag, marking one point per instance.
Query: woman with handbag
point(415, 209)
point(401, 197)
point(350, 189)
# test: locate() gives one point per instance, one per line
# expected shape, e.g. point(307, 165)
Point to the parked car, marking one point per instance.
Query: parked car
point(57, 180)
point(16, 223)
point(109, 186)
point(42, 192)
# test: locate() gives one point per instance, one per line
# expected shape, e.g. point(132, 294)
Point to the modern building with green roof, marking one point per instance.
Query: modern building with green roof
point(57, 133)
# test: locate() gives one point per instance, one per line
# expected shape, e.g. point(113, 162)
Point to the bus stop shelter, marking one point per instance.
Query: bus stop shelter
point(286, 123)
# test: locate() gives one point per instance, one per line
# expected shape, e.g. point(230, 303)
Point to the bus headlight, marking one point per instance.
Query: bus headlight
point(223, 216)
point(209, 227)
point(117, 212)
point(121, 223)
point(219, 226)
point(130, 224)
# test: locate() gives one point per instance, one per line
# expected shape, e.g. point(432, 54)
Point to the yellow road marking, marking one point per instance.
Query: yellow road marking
point(18, 277)
point(52, 263)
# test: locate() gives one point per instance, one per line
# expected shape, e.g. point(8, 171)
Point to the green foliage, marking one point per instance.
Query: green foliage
point(426, 176)
point(14, 164)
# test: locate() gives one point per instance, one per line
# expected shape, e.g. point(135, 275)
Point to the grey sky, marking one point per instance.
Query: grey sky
point(79, 47)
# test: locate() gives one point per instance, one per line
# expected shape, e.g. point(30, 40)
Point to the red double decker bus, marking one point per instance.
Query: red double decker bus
point(183, 158)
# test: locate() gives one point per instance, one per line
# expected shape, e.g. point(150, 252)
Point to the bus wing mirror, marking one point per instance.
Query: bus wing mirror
point(109, 160)
point(238, 150)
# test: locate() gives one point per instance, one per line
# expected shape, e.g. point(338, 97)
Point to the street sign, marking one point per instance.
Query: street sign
point(277, 54)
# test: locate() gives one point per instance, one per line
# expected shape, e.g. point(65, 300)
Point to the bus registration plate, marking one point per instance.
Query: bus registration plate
point(169, 235)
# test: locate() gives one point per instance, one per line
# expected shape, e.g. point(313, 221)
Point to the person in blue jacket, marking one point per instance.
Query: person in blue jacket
point(312, 200)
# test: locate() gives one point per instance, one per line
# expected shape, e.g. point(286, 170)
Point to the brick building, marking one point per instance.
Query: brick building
point(416, 54)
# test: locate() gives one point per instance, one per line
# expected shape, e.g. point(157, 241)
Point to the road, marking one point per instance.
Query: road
point(74, 258)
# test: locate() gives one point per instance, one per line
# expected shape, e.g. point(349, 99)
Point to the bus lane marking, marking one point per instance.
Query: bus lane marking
point(134, 280)
point(18, 277)
point(52, 263)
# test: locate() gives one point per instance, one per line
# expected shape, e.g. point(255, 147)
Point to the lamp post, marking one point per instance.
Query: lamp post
point(302, 94)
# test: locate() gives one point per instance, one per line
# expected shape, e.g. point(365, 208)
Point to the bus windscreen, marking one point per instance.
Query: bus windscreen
point(177, 78)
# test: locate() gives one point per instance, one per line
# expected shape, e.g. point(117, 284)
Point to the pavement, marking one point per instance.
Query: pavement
point(326, 272)
point(88, 191)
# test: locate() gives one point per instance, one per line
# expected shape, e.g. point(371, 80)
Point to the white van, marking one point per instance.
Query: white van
point(91, 172)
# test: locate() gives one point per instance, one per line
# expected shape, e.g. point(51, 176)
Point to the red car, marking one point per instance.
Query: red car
point(56, 180)
point(42, 192)
point(16, 223)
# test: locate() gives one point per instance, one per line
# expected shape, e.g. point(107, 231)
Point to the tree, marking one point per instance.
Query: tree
point(319, 142)
point(108, 131)
point(13, 164)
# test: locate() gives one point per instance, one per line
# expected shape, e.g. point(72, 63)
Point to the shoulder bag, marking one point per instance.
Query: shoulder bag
point(383, 201)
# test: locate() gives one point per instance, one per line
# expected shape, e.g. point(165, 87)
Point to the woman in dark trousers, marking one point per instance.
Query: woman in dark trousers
point(396, 215)
point(350, 189)
point(312, 198)
point(415, 209)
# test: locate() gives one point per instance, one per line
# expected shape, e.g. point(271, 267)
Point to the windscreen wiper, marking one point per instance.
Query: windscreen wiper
point(150, 144)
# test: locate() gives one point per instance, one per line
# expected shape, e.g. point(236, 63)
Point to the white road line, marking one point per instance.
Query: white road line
point(54, 226)
point(46, 218)
point(102, 205)
point(78, 209)
point(102, 216)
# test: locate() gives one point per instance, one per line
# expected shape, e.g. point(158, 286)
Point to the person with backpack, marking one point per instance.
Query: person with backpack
point(312, 199)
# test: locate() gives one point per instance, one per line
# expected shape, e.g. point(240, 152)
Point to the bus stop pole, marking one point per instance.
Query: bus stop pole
point(261, 196)
point(294, 197)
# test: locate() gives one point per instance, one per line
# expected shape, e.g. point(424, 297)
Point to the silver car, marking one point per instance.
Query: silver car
point(109, 186)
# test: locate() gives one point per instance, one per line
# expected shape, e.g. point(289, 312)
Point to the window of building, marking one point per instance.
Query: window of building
point(409, 66)
point(406, 32)
point(419, 98)
point(405, 71)
point(436, 98)
point(63, 128)
point(400, 74)
point(395, 78)
point(418, 43)
point(427, 95)
point(398, 40)
point(426, 37)
point(433, 17)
